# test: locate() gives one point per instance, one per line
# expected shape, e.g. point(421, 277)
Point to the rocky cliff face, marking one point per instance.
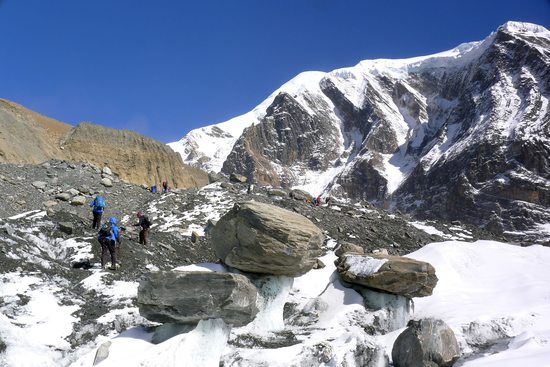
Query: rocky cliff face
point(134, 157)
point(28, 137)
point(464, 134)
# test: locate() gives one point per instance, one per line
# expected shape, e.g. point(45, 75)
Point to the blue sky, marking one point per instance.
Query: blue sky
point(165, 67)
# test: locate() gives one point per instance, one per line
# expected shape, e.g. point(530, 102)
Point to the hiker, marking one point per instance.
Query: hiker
point(154, 189)
point(108, 236)
point(164, 187)
point(145, 224)
point(98, 204)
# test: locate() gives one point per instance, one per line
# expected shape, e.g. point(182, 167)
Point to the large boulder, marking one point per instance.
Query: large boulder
point(188, 297)
point(393, 274)
point(425, 343)
point(262, 238)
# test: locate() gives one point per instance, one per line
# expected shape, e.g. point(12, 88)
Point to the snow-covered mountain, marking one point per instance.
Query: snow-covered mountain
point(463, 134)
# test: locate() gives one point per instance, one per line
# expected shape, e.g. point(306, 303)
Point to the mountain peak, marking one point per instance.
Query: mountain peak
point(524, 27)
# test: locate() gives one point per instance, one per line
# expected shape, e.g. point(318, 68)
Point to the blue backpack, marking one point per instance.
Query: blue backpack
point(99, 202)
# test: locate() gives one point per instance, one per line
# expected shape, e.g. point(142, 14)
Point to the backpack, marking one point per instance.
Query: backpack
point(146, 222)
point(105, 230)
point(99, 202)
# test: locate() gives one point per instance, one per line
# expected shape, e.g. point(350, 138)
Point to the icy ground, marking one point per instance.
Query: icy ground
point(489, 292)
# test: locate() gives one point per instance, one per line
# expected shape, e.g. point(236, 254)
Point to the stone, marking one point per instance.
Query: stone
point(300, 195)
point(262, 238)
point(106, 182)
point(228, 187)
point(277, 192)
point(64, 196)
point(319, 264)
point(106, 170)
point(235, 177)
point(425, 343)
point(195, 237)
point(66, 227)
point(73, 192)
point(49, 203)
point(347, 247)
point(382, 251)
point(214, 177)
point(102, 352)
point(393, 274)
point(41, 185)
point(188, 297)
point(78, 200)
point(84, 189)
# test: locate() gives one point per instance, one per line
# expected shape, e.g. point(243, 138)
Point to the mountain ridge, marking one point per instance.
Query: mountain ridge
point(29, 137)
point(375, 131)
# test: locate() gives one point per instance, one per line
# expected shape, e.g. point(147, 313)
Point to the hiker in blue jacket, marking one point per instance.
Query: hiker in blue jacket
point(98, 204)
point(108, 238)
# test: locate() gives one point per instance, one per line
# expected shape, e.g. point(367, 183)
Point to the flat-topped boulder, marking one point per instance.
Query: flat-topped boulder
point(188, 297)
point(393, 274)
point(262, 238)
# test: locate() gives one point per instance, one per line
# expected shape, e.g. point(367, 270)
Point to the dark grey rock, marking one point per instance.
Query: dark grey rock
point(188, 297)
point(426, 343)
point(66, 227)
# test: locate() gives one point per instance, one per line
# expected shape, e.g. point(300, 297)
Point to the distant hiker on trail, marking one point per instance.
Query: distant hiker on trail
point(108, 236)
point(145, 224)
point(154, 189)
point(98, 204)
point(164, 187)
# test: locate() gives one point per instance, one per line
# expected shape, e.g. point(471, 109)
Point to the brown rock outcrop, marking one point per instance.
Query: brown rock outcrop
point(133, 157)
point(28, 137)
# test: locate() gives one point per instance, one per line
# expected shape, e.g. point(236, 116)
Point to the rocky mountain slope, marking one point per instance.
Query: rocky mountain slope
point(45, 230)
point(460, 135)
point(58, 308)
point(28, 137)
